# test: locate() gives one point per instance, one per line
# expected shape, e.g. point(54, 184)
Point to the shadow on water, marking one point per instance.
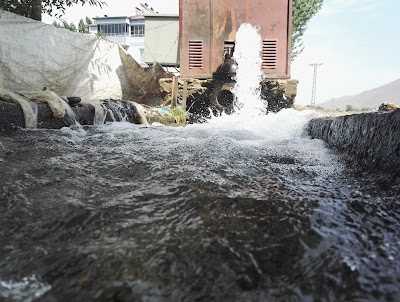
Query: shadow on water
point(202, 213)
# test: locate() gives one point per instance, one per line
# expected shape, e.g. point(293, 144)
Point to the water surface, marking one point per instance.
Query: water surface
point(231, 210)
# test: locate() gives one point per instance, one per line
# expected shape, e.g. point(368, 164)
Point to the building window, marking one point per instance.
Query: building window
point(113, 29)
point(137, 30)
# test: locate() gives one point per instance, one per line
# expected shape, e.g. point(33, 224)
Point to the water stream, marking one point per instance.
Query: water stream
point(249, 73)
point(242, 208)
point(234, 210)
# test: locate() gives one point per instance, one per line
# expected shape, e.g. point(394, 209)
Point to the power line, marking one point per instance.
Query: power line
point(314, 84)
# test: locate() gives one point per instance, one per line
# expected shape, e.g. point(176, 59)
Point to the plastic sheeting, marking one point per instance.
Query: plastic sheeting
point(30, 114)
point(34, 55)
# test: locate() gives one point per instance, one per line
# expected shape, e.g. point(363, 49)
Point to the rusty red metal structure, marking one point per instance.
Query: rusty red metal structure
point(208, 27)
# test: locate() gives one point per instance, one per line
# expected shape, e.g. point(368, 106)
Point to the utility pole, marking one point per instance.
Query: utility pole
point(314, 84)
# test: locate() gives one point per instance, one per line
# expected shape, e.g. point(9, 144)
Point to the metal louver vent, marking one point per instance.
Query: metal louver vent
point(269, 54)
point(195, 54)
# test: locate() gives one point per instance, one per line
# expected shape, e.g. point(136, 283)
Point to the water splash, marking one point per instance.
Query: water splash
point(100, 113)
point(32, 121)
point(249, 74)
point(117, 111)
point(69, 117)
point(29, 108)
point(287, 124)
point(28, 289)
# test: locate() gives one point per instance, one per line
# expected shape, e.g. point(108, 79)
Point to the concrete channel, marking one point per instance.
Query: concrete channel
point(371, 139)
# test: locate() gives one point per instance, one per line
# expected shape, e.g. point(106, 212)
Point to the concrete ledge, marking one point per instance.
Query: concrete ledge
point(371, 138)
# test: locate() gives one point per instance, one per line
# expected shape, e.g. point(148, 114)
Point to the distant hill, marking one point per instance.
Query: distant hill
point(368, 99)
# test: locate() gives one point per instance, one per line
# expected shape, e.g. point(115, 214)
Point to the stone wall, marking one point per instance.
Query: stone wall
point(372, 139)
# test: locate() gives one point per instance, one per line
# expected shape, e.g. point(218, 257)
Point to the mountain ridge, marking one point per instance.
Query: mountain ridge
point(370, 99)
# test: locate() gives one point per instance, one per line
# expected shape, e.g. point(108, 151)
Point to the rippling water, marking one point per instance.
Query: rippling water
point(231, 210)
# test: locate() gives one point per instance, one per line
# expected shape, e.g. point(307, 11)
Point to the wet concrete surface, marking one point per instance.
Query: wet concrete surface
point(372, 140)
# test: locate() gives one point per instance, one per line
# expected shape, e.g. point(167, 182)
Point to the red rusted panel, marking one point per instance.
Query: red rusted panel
point(207, 26)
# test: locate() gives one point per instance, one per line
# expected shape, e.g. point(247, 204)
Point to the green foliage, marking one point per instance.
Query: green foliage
point(179, 114)
point(88, 20)
point(101, 34)
point(83, 26)
point(56, 24)
point(297, 107)
point(27, 8)
point(70, 26)
point(34, 8)
point(64, 24)
point(349, 108)
point(303, 11)
point(317, 108)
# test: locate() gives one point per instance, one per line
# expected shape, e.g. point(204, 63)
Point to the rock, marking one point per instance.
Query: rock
point(84, 113)
point(11, 116)
point(387, 107)
point(73, 100)
point(195, 88)
point(279, 93)
point(46, 118)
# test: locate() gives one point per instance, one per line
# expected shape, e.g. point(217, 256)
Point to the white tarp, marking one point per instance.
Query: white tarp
point(34, 55)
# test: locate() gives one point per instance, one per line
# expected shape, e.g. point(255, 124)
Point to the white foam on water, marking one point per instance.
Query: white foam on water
point(100, 113)
point(27, 290)
point(284, 125)
point(33, 120)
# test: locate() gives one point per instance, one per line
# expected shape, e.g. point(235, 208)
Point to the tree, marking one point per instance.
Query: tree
point(83, 26)
point(303, 11)
point(64, 24)
point(34, 8)
point(70, 26)
point(56, 24)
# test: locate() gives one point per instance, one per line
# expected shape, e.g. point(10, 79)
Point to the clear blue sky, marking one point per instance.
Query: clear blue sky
point(357, 41)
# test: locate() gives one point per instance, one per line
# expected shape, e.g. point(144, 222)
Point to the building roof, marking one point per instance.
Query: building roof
point(120, 17)
point(162, 15)
point(136, 17)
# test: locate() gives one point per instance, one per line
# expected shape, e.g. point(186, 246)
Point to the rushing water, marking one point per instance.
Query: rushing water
point(242, 208)
point(249, 73)
point(232, 210)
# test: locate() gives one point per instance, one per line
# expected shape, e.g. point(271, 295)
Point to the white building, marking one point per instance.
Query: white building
point(162, 39)
point(127, 31)
point(147, 38)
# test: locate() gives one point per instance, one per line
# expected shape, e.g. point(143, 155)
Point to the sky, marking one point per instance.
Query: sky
point(357, 42)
